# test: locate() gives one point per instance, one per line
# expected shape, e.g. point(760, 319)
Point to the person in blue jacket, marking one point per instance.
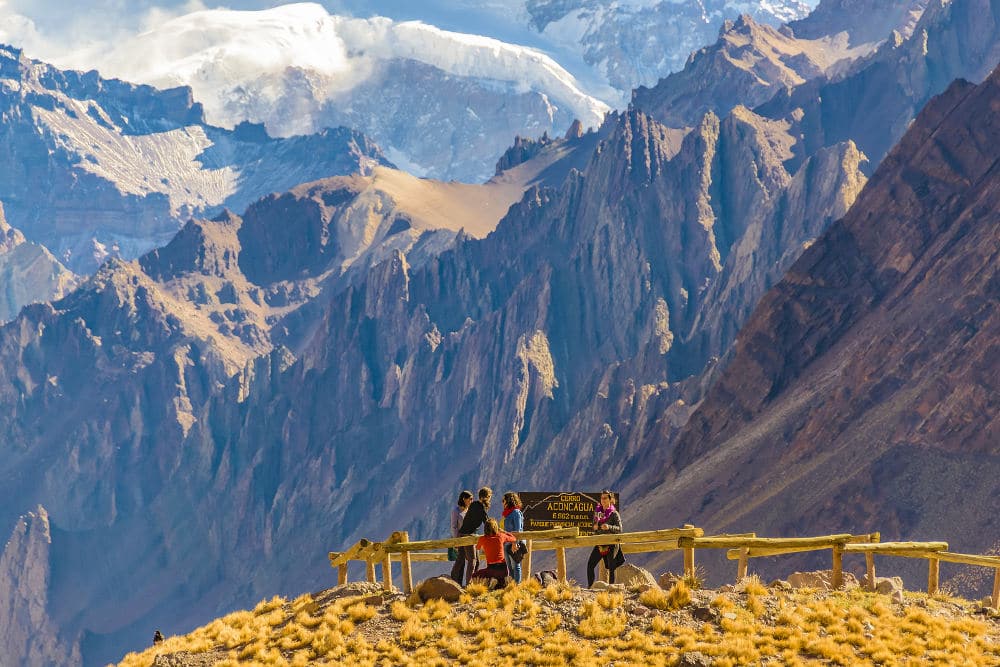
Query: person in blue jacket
point(513, 522)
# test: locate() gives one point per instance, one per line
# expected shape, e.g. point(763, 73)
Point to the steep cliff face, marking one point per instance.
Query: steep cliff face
point(28, 272)
point(28, 635)
point(875, 356)
point(124, 166)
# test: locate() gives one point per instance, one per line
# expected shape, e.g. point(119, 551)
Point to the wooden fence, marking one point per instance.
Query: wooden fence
point(742, 547)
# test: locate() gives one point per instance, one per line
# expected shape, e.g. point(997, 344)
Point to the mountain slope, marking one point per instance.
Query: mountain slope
point(124, 166)
point(875, 356)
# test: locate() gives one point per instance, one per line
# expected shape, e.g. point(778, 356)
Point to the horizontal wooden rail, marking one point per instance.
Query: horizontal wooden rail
point(763, 552)
point(415, 556)
point(968, 559)
point(730, 542)
point(351, 554)
point(666, 535)
point(918, 549)
point(472, 539)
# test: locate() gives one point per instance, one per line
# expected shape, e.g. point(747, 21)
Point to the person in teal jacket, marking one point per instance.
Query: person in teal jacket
point(513, 522)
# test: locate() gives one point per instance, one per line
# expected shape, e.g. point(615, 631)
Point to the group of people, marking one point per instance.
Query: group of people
point(504, 551)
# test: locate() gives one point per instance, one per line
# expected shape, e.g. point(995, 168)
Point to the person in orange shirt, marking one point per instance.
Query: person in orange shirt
point(491, 543)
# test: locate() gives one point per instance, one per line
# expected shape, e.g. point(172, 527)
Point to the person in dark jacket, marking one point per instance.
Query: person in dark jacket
point(475, 516)
point(607, 520)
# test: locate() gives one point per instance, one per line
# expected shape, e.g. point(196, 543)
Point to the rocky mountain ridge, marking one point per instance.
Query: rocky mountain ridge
point(875, 354)
point(28, 272)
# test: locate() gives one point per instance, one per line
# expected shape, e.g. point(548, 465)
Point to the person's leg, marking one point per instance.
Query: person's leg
point(472, 562)
point(612, 565)
point(458, 569)
point(595, 557)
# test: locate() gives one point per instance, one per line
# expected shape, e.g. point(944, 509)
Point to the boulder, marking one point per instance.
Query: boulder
point(888, 585)
point(632, 575)
point(599, 585)
point(897, 596)
point(439, 588)
point(820, 579)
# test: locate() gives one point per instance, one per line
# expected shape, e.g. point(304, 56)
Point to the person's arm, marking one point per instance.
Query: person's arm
point(456, 522)
point(507, 537)
point(518, 524)
point(614, 523)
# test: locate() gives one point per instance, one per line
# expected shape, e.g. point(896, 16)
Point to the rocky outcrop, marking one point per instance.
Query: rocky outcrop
point(873, 358)
point(873, 102)
point(28, 635)
point(865, 21)
point(748, 65)
point(124, 166)
point(28, 272)
point(524, 149)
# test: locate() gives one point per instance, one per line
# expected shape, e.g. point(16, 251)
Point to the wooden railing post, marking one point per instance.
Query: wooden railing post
point(741, 568)
point(405, 570)
point(342, 574)
point(933, 570)
point(387, 572)
point(870, 567)
point(561, 563)
point(688, 558)
point(526, 563)
point(370, 571)
point(838, 566)
point(996, 589)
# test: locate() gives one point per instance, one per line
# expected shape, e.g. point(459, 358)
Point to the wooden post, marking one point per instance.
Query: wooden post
point(526, 563)
point(870, 567)
point(387, 572)
point(602, 571)
point(405, 570)
point(342, 574)
point(561, 563)
point(838, 566)
point(741, 568)
point(370, 566)
point(996, 589)
point(689, 563)
point(932, 575)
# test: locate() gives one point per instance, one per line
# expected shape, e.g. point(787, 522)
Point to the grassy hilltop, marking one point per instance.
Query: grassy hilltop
point(357, 624)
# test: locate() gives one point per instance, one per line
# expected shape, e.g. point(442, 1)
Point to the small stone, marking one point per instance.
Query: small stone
point(780, 584)
point(667, 579)
point(694, 659)
point(897, 596)
point(728, 588)
point(704, 613)
point(730, 615)
point(600, 585)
